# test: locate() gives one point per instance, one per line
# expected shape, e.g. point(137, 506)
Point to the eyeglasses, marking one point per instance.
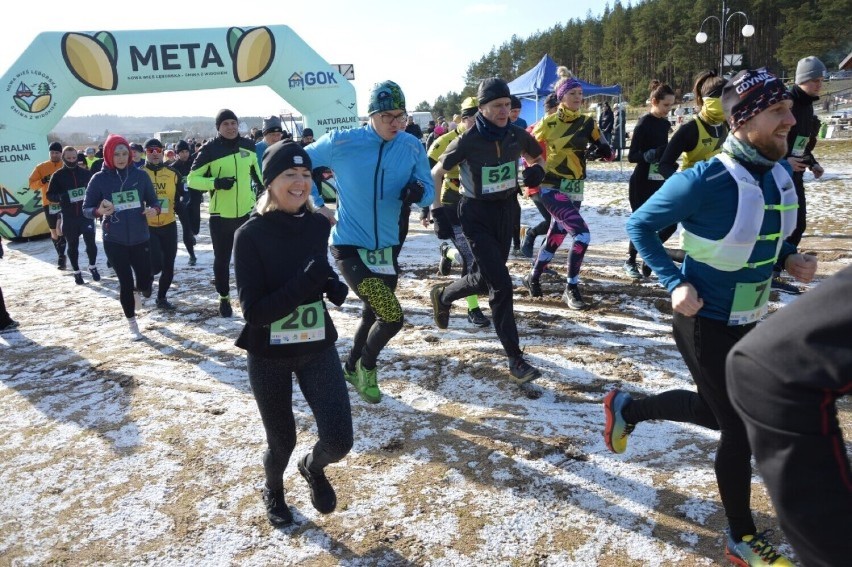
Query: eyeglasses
point(390, 118)
point(154, 150)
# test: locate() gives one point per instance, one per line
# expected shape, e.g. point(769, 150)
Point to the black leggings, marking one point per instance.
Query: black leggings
point(192, 212)
point(321, 381)
point(128, 261)
point(163, 246)
point(5, 319)
point(638, 193)
point(72, 229)
point(516, 221)
point(381, 317)
point(704, 343)
point(222, 235)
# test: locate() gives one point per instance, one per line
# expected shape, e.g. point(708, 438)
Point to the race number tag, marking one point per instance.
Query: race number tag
point(798, 149)
point(164, 206)
point(751, 302)
point(573, 188)
point(378, 261)
point(54, 209)
point(305, 324)
point(654, 173)
point(124, 200)
point(77, 195)
point(499, 178)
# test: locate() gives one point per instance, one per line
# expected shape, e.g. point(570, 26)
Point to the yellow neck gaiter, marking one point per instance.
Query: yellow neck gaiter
point(711, 111)
point(567, 115)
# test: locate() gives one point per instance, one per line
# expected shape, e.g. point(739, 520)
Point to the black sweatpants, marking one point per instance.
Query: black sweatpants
point(222, 236)
point(163, 247)
point(516, 221)
point(130, 261)
point(704, 343)
point(381, 317)
point(785, 379)
point(192, 212)
point(186, 231)
point(72, 229)
point(487, 225)
point(321, 381)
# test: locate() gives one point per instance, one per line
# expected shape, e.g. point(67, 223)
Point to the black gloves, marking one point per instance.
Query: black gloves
point(443, 226)
point(224, 182)
point(533, 175)
point(424, 213)
point(412, 193)
point(650, 156)
point(335, 290)
point(45, 179)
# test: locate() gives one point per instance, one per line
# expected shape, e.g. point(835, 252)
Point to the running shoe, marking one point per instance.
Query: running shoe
point(616, 430)
point(477, 317)
point(572, 298)
point(192, 260)
point(440, 310)
point(632, 270)
point(366, 383)
point(754, 550)
point(781, 285)
point(96, 275)
point(528, 245)
point(78, 278)
point(532, 285)
point(11, 324)
point(445, 265)
point(225, 309)
point(521, 370)
point(61, 263)
point(349, 375)
point(146, 293)
point(277, 511)
point(163, 303)
point(322, 493)
point(646, 270)
point(134, 334)
point(516, 250)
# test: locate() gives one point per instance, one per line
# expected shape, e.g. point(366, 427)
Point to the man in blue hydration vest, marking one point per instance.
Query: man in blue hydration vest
point(736, 209)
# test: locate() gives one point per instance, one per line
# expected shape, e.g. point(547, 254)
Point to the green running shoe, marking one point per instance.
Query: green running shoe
point(349, 375)
point(366, 384)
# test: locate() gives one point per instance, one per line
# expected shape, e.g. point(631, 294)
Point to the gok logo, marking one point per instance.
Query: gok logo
point(311, 79)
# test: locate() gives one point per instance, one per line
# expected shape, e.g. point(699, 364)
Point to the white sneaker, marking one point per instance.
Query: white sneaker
point(134, 334)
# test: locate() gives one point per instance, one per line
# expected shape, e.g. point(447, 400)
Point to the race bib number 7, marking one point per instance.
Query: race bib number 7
point(751, 302)
point(499, 178)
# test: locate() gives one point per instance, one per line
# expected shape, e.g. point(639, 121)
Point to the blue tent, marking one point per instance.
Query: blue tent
point(533, 87)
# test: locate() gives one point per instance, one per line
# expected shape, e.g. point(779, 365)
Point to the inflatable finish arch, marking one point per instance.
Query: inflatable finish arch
point(58, 68)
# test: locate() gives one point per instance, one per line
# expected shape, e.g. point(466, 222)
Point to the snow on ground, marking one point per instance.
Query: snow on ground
point(126, 453)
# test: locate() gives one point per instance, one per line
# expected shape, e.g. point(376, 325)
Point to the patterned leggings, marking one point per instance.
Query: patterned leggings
point(565, 219)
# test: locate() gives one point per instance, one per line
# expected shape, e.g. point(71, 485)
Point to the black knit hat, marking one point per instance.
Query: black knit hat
point(181, 146)
point(516, 102)
point(281, 156)
point(55, 147)
point(223, 115)
point(153, 143)
point(491, 89)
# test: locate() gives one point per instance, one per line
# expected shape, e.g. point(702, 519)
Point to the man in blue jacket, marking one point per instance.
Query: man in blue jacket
point(378, 168)
point(735, 209)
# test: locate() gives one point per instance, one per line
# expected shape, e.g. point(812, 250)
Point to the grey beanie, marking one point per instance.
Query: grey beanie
point(271, 124)
point(809, 68)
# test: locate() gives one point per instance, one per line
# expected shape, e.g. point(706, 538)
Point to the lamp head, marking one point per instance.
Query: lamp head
point(701, 37)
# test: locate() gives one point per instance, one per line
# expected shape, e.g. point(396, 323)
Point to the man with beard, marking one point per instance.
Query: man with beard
point(68, 188)
point(226, 165)
point(736, 209)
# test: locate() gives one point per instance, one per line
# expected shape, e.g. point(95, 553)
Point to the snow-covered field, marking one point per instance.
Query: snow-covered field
point(126, 453)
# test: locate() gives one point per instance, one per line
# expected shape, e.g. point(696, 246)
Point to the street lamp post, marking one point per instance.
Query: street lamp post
point(701, 37)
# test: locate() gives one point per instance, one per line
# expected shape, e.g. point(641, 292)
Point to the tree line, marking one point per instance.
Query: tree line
point(630, 45)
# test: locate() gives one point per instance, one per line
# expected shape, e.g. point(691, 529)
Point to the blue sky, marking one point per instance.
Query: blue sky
point(425, 47)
